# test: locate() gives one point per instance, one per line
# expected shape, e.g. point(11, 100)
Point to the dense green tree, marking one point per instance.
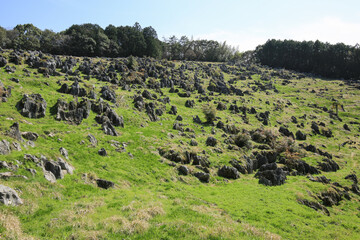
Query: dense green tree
point(3, 38)
point(47, 41)
point(122, 41)
point(153, 45)
point(335, 61)
point(28, 37)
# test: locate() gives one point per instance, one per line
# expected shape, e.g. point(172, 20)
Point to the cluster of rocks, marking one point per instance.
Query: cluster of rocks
point(74, 89)
point(32, 106)
point(333, 195)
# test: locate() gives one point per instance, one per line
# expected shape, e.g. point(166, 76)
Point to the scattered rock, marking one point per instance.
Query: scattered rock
point(346, 127)
point(271, 177)
point(228, 172)
point(203, 177)
point(54, 168)
point(102, 152)
point(32, 106)
point(190, 103)
point(183, 170)
point(49, 176)
point(284, 131)
point(66, 166)
point(9, 196)
point(108, 94)
point(173, 110)
point(64, 152)
point(109, 129)
point(211, 141)
point(92, 140)
point(193, 142)
point(353, 178)
point(4, 147)
point(237, 165)
point(321, 179)
point(221, 106)
point(14, 132)
point(331, 197)
point(328, 165)
point(30, 136)
point(104, 183)
point(314, 205)
point(300, 135)
point(72, 112)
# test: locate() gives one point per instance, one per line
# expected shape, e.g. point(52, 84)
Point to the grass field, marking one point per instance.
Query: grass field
point(150, 199)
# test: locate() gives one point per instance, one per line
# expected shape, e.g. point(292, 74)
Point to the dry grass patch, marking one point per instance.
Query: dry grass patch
point(12, 227)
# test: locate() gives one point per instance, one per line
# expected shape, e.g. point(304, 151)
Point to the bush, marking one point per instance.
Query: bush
point(132, 63)
point(243, 141)
point(209, 112)
point(266, 136)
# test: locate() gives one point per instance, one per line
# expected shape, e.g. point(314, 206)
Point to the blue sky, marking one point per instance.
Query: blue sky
point(244, 24)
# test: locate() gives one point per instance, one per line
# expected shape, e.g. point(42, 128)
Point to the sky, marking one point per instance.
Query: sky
point(242, 24)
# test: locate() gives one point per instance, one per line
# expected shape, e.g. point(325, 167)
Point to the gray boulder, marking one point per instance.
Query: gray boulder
point(203, 177)
point(108, 94)
point(300, 135)
point(3, 61)
point(72, 112)
point(49, 176)
point(64, 152)
point(54, 168)
point(32, 106)
point(228, 172)
point(109, 129)
point(4, 147)
point(271, 177)
point(9, 196)
point(30, 136)
point(183, 170)
point(102, 183)
point(14, 132)
point(211, 141)
point(65, 166)
point(102, 152)
point(92, 140)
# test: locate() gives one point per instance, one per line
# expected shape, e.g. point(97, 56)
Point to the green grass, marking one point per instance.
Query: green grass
point(150, 200)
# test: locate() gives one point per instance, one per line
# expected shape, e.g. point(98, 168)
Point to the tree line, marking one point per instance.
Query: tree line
point(91, 40)
point(325, 59)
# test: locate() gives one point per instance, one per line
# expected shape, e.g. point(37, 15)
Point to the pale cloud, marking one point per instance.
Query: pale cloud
point(327, 29)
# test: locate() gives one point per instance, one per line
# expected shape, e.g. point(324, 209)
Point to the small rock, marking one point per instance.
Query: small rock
point(102, 152)
point(183, 170)
point(49, 176)
point(228, 172)
point(4, 147)
point(30, 136)
point(54, 168)
point(211, 141)
point(300, 135)
point(104, 183)
point(203, 177)
point(9, 196)
point(193, 142)
point(64, 152)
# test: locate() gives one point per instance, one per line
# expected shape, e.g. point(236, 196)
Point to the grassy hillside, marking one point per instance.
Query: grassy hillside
point(150, 198)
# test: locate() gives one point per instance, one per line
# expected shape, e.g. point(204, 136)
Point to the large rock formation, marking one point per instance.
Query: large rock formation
point(32, 106)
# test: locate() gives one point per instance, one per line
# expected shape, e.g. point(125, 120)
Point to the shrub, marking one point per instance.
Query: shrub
point(243, 141)
point(132, 63)
point(209, 112)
